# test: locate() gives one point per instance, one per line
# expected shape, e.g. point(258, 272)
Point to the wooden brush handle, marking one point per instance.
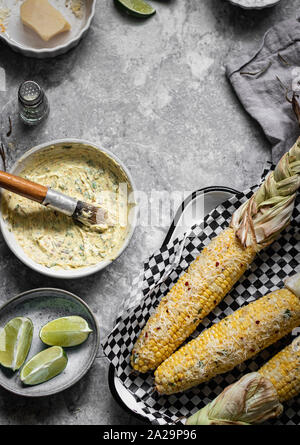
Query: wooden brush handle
point(23, 187)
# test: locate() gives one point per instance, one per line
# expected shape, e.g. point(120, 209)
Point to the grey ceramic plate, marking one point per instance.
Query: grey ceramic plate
point(254, 4)
point(42, 306)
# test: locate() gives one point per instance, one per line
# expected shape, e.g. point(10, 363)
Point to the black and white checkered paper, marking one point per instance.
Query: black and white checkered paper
point(159, 274)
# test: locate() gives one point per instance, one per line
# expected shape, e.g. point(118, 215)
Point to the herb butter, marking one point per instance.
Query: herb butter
point(57, 241)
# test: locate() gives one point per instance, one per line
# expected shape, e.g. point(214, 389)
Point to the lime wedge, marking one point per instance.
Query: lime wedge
point(44, 366)
point(15, 342)
point(66, 331)
point(138, 8)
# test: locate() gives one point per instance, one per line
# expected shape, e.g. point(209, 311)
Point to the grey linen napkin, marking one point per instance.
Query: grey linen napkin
point(262, 82)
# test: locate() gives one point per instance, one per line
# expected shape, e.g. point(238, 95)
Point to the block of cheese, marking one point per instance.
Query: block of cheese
point(43, 18)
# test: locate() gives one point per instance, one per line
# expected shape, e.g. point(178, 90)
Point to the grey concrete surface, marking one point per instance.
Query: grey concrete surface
point(153, 92)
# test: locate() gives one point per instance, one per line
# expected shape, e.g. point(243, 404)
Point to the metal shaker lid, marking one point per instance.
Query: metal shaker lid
point(30, 93)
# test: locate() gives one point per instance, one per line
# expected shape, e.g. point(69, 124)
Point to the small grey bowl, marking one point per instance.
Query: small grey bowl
point(42, 306)
point(254, 4)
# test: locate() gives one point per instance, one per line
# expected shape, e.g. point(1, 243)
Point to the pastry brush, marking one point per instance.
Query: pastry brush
point(87, 214)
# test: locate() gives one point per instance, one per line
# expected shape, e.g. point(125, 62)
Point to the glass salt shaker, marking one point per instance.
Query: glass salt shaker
point(33, 103)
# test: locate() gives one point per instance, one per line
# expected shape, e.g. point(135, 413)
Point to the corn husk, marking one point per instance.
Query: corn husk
point(296, 104)
point(260, 219)
point(253, 399)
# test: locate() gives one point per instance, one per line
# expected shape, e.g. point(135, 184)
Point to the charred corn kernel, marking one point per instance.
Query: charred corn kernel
point(283, 371)
point(228, 343)
point(199, 290)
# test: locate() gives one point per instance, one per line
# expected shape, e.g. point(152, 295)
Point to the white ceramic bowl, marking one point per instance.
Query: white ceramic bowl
point(25, 41)
point(254, 4)
point(66, 273)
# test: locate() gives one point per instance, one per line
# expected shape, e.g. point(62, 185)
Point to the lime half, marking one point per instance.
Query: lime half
point(66, 331)
point(138, 8)
point(44, 366)
point(15, 342)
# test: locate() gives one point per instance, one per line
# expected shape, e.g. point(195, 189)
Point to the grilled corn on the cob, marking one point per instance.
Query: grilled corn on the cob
point(230, 342)
point(220, 265)
point(191, 299)
point(256, 396)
